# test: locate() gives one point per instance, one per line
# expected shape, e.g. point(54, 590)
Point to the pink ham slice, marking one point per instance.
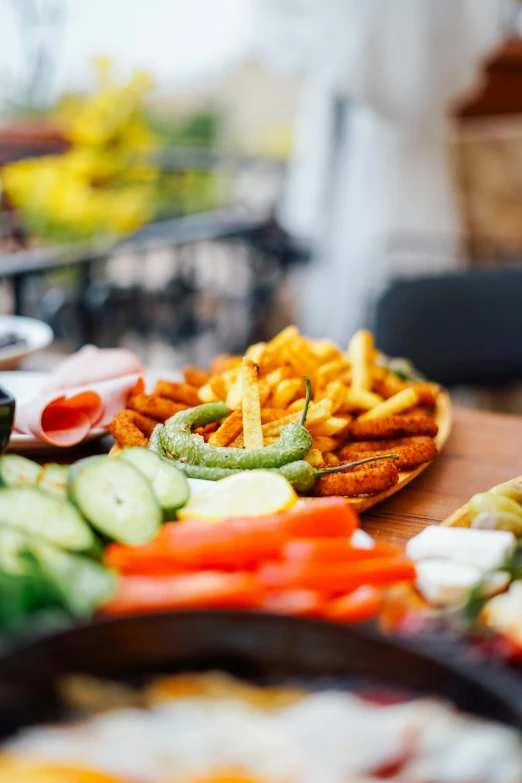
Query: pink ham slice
point(85, 391)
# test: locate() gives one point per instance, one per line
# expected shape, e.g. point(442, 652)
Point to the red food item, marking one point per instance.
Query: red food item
point(324, 518)
point(336, 578)
point(297, 602)
point(363, 604)
point(146, 560)
point(331, 550)
point(207, 589)
point(235, 544)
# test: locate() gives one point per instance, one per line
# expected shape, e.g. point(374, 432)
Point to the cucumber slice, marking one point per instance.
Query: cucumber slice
point(53, 478)
point(16, 471)
point(169, 484)
point(84, 584)
point(34, 511)
point(12, 543)
point(116, 499)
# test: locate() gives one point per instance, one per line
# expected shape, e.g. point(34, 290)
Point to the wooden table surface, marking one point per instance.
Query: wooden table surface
point(483, 449)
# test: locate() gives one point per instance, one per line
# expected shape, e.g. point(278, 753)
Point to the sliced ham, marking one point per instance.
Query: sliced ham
point(85, 391)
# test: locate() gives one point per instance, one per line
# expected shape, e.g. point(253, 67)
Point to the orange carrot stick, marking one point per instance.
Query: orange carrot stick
point(335, 578)
point(189, 591)
point(363, 604)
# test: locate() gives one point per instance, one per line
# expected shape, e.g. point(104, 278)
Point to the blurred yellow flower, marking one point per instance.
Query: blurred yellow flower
point(104, 182)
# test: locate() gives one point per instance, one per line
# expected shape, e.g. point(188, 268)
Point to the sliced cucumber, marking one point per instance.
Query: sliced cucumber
point(85, 585)
point(116, 499)
point(16, 471)
point(169, 484)
point(32, 510)
point(82, 583)
point(53, 478)
point(12, 543)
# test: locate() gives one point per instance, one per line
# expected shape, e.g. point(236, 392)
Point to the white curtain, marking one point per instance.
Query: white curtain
point(397, 65)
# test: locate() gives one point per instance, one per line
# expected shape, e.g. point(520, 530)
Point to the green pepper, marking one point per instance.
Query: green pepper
point(293, 444)
point(300, 474)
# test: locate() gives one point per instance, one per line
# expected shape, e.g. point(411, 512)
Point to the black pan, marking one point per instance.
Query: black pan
point(259, 647)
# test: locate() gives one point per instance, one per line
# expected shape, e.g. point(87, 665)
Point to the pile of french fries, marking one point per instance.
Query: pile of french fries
point(265, 390)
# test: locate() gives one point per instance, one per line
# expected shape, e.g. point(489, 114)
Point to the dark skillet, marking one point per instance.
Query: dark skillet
point(259, 647)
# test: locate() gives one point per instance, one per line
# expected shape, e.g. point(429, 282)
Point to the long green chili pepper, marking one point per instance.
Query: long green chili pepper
point(293, 444)
point(299, 473)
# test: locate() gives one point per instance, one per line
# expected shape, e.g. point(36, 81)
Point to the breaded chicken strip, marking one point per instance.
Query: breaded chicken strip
point(412, 452)
point(392, 427)
point(366, 479)
point(158, 408)
point(131, 428)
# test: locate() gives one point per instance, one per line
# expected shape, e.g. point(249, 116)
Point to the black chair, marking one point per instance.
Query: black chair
point(463, 328)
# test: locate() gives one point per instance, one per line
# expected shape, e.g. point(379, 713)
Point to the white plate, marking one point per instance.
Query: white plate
point(23, 386)
point(37, 336)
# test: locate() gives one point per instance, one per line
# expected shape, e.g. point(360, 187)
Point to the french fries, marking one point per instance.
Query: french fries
point(355, 398)
point(361, 353)
point(231, 429)
point(252, 431)
point(399, 403)
point(286, 391)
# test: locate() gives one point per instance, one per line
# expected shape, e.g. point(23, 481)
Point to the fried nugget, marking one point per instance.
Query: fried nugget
point(366, 479)
point(131, 428)
point(158, 408)
point(196, 377)
point(412, 452)
point(178, 392)
point(224, 362)
point(392, 427)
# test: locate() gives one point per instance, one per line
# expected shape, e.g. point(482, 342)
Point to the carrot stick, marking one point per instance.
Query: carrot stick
point(146, 559)
point(335, 578)
point(235, 544)
point(189, 591)
point(331, 550)
point(325, 518)
point(363, 604)
point(298, 602)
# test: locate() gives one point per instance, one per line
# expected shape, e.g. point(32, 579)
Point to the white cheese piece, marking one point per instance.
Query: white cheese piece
point(362, 540)
point(445, 582)
point(483, 549)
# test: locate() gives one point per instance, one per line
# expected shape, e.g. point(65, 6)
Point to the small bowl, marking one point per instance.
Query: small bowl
point(7, 414)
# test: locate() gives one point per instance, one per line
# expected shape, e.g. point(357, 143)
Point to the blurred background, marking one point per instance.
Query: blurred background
point(185, 179)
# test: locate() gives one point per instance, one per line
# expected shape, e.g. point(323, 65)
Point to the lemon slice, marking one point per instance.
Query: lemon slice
point(251, 493)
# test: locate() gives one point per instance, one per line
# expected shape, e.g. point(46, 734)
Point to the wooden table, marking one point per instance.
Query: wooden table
point(483, 449)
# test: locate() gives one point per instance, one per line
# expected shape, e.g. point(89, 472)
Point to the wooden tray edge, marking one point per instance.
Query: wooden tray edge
point(459, 518)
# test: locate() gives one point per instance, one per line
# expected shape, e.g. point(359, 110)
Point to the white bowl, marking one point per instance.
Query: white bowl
point(37, 335)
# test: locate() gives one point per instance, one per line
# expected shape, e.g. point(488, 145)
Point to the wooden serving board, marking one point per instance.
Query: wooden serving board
point(444, 419)
point(460, 518)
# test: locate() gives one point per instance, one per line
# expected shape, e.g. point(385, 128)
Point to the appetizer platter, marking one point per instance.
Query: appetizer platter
point(353, 424)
